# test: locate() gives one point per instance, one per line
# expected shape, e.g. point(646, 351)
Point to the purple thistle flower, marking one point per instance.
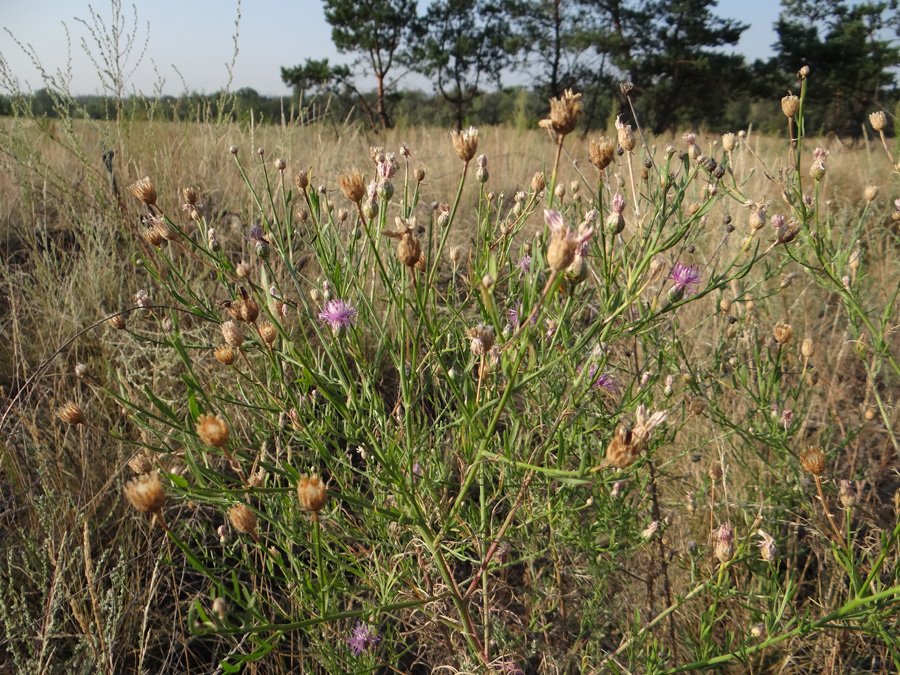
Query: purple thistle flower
point(257, 234)
point(686, 278)
point(339, 314)
point(362, 638)
point(600, 380)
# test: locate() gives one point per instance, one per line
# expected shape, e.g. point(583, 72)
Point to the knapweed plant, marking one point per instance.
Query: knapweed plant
point(578, 423)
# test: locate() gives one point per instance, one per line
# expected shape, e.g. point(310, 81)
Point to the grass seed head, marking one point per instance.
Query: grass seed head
point(212, 430)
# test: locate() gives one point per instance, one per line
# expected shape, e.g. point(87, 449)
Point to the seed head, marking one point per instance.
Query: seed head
point(302, 180)
point(601, 152)
point(564, 113)
point(353, 186)
point(729, 142)
point(565, 242)
point(143, 189)
point(724, 543)
point(790, 106)
point(224, 355)
point(71, 414)
point(768, 549)
point(871, 192)
point(408, 248)
point(848, 494)
point(117, 321)
point(465, 143)
point(140, 464)
point(757, 630)
point(231, 331)
point(813, 461)
point(538, 183)
point(626, 136)
point(419, 174)
point(233, 150)
point(280, 164)
point(268, 333)
point(212, 430)
point(782, 332)
point(482, 338)
point(878, 120)
point(244, 520)
point(220, 608)
point(145, 493)
point(311, 493)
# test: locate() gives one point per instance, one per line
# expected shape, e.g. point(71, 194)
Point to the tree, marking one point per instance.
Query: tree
point(378, 30)
point(556, 36)
point(461, 43)
point(314, 76)
point(851, 52)
point(676, 64)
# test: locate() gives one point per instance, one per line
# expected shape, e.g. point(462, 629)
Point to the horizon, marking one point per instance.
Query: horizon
point(173, 66)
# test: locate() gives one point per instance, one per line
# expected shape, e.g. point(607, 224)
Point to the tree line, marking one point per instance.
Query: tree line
point(679, 56)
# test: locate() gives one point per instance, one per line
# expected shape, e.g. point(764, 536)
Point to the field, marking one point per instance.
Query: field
point(636, 414)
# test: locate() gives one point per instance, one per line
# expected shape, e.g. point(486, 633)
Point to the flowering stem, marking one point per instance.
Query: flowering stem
point(559, 147)
point(317, 545)
point(552, 282)
point(446, 231)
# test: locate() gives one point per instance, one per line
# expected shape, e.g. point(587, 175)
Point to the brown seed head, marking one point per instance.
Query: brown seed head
point(244, 520)
point(729, 142)
point(871, 192)
point(302, 180)
point(408, 248)
point(224, 355)
point(790, 106)
point(878, 120)
point(465, 143)
point(268, 333)
point(621, 451)
point(190, 195)
point(601, 152)
point(538, 183)
point(564, 113)
point(782, 332)
point(145, 493)
point(212, 430)
point(813, 461)
point(70, 414)
point(419, 174)
point(625, 135)
point(140, 464)
point(117, 321)
point(280, 164)
point(482, 338)
point(353, 186)
point(243, 270)
point(807, 348)
point(143, 189)
point(311, 493)
point(724, 543)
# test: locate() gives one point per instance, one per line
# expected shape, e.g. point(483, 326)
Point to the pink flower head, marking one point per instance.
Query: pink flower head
point(600, 380)
point(819, 154)
point(339, 314)
point(561, 229)
point(686, 278)
point(777, 221)
point(258, 234)
point(897, 204)
point(386, 169)
point(362, 638)
point(618, 203)
point(689, 138)
point(524, 264)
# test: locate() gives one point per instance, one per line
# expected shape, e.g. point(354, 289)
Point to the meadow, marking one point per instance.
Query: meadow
point(301, 397)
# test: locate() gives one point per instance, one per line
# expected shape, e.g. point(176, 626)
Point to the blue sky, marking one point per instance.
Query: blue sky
point(196, 37)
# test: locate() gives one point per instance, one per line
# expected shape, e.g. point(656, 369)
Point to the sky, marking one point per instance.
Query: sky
point(190, 43)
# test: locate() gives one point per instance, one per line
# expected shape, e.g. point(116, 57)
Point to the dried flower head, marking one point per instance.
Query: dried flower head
point(465, 143)
point(538, 183)
point(729, 142)
point(782, 332)
point(353, 186)
point(565, 242)
point(338, 314)
point(419, 174)
point(768, 549)
point(302, 180)
point(140, 464)
point(117, 321)
point(813, 460)
point(280, 164)
point(849, 494)
point(145, 493)
point(601, 152)
point(212, 430)
point(268, 332)
point(790, 106)
point(628, 444)
point(482, 339)
point(878, 120)
point(70, 414)
point(724, 542)
point(311, 493)
point(564, 113)
point(408, 248)
point(626, 136)
point(143, 189)
point(244, 520)
point(231, 331)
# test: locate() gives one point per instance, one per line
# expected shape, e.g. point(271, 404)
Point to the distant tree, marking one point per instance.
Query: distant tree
point(851, 50)
point(677, 65)
point(462, 43)
point(555, 36)
point(314, 76)
point(376, 29)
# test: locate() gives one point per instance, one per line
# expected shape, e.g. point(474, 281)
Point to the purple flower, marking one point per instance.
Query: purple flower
point(524, 264)
point(339, 314)
point(257, 234)
point(362, 638)
point(686, 278)
point(600, 380)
